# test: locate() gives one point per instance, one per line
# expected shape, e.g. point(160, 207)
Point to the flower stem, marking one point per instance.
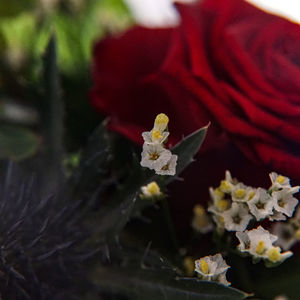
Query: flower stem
point(169, 223)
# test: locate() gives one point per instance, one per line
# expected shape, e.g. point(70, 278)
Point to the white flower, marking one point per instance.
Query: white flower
point(284, 202)
point(256, 241)
point(261, 205)
point(151, 190)
point(219, 204)
point(242, 193)
point(277, 216)
point(201, 221)
point(279, 181)
point(286, 235)
point(259, 243)
point(155, 136)
point(274, 255)
point(155, 156)
point(226, 186)
point(212, 268)
point(169, 166)
point(237, 217)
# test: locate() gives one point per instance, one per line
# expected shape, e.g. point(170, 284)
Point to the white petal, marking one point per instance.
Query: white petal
point(168, 167)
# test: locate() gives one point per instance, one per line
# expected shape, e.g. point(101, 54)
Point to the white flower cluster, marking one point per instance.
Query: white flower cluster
point(155, 156)
point(234, 204)
point(259, 244)
point(212, 268)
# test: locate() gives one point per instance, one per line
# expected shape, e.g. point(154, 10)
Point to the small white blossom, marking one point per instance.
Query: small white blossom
point(237, 217)
point(151, 190)
point(256, 241)
point(219, 202)
point(261, 205)
point(155, 136)
point(169, 167)
point(286, 235)
point(212, 268)
point(277, 216)
point(284, 201)
point(275, 256)
point(279, 181)
point(259, 243)
point(201, 221)
point(155, 156)
point(242, 193)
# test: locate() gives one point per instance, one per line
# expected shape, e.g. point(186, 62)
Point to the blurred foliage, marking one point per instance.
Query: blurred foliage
point(16, 142)
point(25, 29)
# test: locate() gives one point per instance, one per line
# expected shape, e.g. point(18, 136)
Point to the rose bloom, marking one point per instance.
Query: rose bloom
point(227, 63)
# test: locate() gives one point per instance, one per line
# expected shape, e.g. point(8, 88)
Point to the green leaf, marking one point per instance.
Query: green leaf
point(17, 143)
point(188, 148)
point(111, 221)
point(94, 164)
point(282, 280)
point(149, 285)
point(52, 110)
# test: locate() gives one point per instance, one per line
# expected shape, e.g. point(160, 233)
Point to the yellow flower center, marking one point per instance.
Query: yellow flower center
point(153, 188)
point(156, 135)
point(153, 156)
point(274, 254)
point(222, 204)
point(199, 210)
point(240, 193)
point(161, 122)
point(260, 248)
point(204, 266)
point(280, 179)
point(219, 193)
point(298, 234)
point(225, 186)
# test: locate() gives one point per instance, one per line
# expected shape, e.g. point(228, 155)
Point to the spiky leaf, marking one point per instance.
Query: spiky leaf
point(188, 148)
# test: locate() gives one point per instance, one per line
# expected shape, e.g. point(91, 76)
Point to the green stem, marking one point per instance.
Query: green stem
point(169, 223)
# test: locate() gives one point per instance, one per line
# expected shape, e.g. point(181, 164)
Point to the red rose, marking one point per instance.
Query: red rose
point(228, 63)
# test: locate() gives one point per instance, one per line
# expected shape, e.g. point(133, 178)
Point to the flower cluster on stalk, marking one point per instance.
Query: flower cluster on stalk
point(212, 268)
point(236, 207)
point(155, 156)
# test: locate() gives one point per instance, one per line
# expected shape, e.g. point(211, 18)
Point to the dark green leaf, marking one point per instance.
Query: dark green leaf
point(17, 143)
point(188, 148)
point(52, 112)
point(95, 159)
point(149, 285)
point(113, 220)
